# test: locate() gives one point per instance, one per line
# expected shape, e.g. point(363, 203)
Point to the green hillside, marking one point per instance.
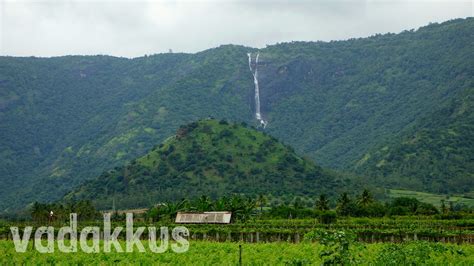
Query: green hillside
point(64, 120)
point(437, 154)
point(212, 158)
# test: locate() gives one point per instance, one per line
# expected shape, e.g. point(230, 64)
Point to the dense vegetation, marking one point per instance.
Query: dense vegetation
point(210, 253)
point(436, 153)
point(268, 235)
point(209, 157)
point(257, 219)
point(67, 119)
point(323, 208)
point(251, 212)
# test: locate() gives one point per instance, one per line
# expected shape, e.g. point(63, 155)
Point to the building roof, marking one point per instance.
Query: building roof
point(203, 217)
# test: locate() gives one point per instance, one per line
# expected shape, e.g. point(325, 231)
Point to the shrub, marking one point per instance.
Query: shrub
point(336, 246)
point(327, 217)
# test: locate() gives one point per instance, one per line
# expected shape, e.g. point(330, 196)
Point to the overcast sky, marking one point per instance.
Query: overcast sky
point(135, 28)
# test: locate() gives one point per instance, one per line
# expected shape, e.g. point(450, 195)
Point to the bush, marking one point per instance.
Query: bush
point(336, 246)
point(450, 216)
point(414, 253)
point(327, 217)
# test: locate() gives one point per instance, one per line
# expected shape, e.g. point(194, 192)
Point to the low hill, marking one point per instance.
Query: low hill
point(209, 157)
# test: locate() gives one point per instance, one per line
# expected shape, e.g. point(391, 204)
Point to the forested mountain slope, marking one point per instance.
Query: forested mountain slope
point(436, 154)
point(66, 119)
point(212, 158)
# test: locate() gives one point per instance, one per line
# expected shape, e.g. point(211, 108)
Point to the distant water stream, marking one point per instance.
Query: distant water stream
point(258, 114)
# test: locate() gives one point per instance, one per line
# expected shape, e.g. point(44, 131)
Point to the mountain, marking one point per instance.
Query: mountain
point(213, 158)
point(437, 153)
point(64, 120)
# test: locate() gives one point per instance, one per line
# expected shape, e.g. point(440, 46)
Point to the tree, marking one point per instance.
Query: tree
point(261, 201)
point(298, 203)
point(85, 210)
point(221, 204)
point(365, 198)
point(203, 203)
point(39, 212)
point(343, 204)
point(444, 209)
point(241, 208)
point(249, 206)
point(322, 203)
point(451, 206)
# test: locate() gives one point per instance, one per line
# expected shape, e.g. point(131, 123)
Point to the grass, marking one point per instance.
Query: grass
point(434, 199)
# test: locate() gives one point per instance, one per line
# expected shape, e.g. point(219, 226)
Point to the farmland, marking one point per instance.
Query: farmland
point(203, 252)
point(385, 240)
point(359, 230)
point(367, 230)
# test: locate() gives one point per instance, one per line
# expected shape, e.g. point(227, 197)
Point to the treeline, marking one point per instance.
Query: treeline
point(365, 205)
point(242, 207)
point(59, 212)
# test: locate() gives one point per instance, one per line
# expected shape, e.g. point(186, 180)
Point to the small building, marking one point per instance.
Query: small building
point(203, 217)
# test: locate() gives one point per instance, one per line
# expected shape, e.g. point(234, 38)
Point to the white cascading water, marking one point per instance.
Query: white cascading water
point(258, 115)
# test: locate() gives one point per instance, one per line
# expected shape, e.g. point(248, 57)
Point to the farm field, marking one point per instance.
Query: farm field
point(367, 230)
point(430, 198)
point(281, 253)
point(356, 241)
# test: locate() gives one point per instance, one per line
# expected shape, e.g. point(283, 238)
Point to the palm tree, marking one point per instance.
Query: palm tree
point(365, 198)
point(203, 203)
point(183, 205)
point(297, 203)
point(170, 209)
point(235, 205)
point(221, 204)
point(343, 204)
point(241, 208)
point(444, 209)
point(153, 214)
point(248, 207)
point(261, 201)
point(322, 203)
point(38, 212)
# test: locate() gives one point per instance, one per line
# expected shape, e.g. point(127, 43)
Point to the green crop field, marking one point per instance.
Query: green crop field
point(350, 241)
point(434, 199)
point(281, 253)
point(401, 240)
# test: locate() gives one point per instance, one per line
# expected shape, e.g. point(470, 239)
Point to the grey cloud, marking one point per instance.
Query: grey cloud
point(130, 28)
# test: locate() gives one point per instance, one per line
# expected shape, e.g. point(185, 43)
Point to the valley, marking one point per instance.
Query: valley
point(344, 104)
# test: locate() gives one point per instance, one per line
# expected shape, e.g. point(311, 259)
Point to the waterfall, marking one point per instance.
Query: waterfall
point(258, 115)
